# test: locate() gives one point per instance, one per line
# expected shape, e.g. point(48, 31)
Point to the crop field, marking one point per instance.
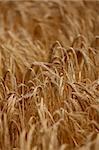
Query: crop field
point(49, 75)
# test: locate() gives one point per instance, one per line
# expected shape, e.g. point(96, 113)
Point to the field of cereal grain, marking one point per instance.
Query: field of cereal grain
point(49, 75)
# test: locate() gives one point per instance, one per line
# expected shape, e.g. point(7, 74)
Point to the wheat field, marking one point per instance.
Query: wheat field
point(49, 75)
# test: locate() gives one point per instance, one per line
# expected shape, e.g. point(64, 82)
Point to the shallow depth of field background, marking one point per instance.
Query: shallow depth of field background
point(49, 75)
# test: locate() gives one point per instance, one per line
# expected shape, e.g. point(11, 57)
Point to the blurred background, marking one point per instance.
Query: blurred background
point(49, 20)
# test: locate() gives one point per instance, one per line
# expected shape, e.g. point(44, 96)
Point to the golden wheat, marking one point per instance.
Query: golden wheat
point(49, 75)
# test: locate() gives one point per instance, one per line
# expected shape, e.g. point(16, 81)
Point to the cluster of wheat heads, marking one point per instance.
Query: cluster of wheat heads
point(49, 93)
